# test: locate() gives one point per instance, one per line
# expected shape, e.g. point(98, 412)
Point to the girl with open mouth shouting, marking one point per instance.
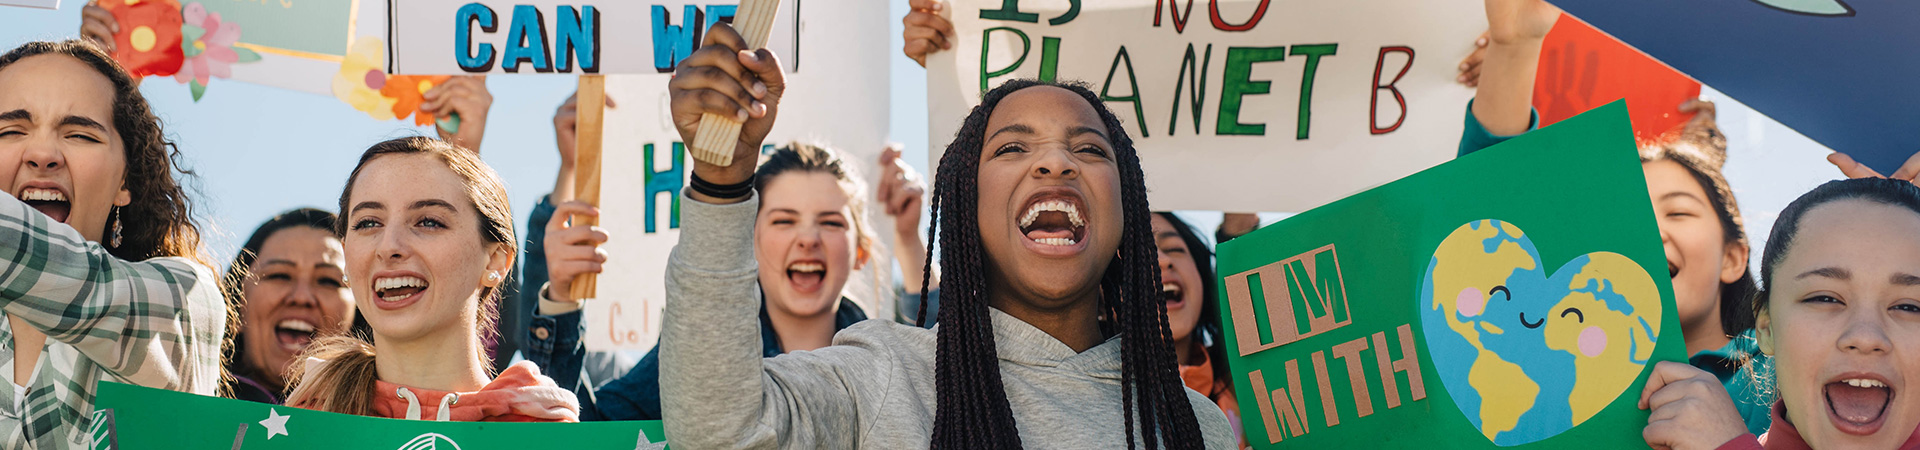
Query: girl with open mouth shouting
point(1840, 313)
point(428, 238)
point(104, 275)
point(810, 234)
point(1049, 280)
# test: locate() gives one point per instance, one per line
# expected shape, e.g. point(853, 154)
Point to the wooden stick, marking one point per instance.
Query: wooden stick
point(591, 107)
point(718, 134)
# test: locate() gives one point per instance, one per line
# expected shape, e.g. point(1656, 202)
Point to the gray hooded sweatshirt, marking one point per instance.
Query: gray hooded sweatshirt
point(874, 387)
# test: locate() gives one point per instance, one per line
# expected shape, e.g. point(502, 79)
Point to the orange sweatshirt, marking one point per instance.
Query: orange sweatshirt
point(519, 394)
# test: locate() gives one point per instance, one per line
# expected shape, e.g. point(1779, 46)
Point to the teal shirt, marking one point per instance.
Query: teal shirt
point(1740, 366)
point(1475, 136)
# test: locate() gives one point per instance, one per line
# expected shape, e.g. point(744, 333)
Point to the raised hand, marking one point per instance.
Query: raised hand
point(98, 25)
point(1690, 409)
point(467, 97)
point(926, 32)
point(572, 250)
point(725, 78)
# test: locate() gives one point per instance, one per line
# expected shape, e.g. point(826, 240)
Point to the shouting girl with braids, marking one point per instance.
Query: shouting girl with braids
point(1052, 332)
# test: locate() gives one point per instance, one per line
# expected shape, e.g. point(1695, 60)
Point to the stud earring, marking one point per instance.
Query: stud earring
point(493, 277)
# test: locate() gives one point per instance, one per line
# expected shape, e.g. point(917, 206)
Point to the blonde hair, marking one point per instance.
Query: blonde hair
point(345, 383)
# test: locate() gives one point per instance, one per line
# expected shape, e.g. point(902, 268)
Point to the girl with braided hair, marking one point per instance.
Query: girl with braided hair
point(1052, 332)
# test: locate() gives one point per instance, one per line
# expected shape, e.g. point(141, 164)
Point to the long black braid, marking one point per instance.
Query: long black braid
point(972, 402)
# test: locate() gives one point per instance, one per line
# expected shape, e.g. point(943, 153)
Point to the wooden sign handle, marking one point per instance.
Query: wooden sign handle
point(591, 109)
point(715, 141)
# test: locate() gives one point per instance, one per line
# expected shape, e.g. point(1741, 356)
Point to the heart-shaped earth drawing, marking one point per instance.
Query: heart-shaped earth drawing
point(1526, 356)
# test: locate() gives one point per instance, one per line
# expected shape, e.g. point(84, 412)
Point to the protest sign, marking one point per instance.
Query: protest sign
point(1582, 68)
point(458, 37)
point(838, 98)
point(1233, 105)
point(133, 417)
point(1512, 297)
point(290, 44)
point(1825, 68)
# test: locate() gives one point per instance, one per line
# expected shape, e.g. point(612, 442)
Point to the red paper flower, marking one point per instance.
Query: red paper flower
point(149, 39)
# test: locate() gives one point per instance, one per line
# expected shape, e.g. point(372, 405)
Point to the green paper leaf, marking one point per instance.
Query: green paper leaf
point(190, 34)
point(246, 56)
point(198, 89)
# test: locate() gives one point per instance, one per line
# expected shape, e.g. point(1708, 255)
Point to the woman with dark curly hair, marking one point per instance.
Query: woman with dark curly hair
point(287, 287)
point(104, 278)
point(1052, 329)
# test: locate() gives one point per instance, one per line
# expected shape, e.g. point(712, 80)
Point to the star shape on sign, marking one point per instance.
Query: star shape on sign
point(275, 423)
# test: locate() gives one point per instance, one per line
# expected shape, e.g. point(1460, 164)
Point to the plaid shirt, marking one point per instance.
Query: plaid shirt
point(156, 323)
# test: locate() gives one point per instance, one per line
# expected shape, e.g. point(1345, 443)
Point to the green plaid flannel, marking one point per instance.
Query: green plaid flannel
point(156, 323)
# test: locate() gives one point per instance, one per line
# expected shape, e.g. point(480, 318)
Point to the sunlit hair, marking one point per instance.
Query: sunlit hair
point(159, 221)
point(233, 283)
point(1786, 229)
point(345, 383)
point(1702, 150)
point(972, 409)
point(800, 157)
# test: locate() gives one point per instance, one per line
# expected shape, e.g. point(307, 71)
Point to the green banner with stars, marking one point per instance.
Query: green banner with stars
point(1513, 297)
point(132, 417)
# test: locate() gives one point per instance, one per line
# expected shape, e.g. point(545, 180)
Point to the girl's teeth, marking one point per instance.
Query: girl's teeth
point(44, 195)
point(1865, 383)
point(1056, 241)
point(807, 267)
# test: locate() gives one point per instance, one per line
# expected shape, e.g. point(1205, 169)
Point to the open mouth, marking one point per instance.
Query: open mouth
point(1858, 405)
point(806, 275)
point(1172, 293)
point(398, 289)
point(294, 334)
point(51, 202)
point(1053, 221)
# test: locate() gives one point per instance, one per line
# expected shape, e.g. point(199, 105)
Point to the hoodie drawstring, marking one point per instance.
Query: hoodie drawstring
point(413, 405)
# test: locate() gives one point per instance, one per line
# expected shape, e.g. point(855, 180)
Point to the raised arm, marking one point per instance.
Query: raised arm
point(716, 389)
point(156, 323)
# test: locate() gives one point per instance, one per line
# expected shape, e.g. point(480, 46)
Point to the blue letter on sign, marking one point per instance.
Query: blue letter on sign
point(463, 37)
point(579, 35)
point(671, 43)
point(527, 41)
point(666, 181)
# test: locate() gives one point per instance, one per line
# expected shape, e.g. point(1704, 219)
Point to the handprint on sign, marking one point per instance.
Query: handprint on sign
point(1573, 89)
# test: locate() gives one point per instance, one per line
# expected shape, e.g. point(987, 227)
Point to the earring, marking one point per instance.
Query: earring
point(115, 242)
point(493, 277)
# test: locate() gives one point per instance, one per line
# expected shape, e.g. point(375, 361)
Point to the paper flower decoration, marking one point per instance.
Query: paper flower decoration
point(362, 77)
point(149, 39)
point(364, 84)
point(207, 43)
point(408, 92)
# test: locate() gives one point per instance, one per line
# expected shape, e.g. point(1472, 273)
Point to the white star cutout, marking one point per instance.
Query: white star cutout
point(275, 423)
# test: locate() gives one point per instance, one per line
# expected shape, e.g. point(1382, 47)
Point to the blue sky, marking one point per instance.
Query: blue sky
point(259, 151)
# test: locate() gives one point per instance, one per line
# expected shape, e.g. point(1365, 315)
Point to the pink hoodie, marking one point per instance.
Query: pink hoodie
point(519, 394)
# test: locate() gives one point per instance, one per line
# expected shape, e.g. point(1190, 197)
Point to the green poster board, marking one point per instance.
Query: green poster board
point(1511, 297)
point(133, 417)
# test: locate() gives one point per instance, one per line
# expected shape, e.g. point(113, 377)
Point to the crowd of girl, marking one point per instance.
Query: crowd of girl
point(1062, 313)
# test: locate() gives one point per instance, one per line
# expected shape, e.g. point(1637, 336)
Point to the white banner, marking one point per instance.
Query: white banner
point(457, 37)
point(838, 98)
point(1236, 105)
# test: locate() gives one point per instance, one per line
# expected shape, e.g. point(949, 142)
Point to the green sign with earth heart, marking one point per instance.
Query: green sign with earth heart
point(1511, 297)
point(134, 417)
